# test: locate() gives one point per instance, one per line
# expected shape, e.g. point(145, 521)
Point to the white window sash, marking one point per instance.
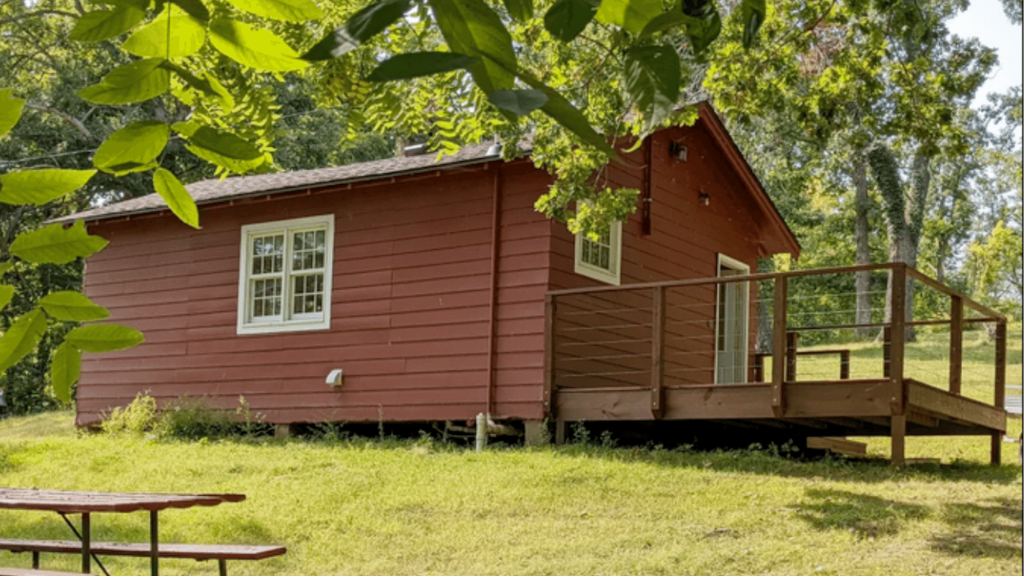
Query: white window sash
point(611, 275)
point(288, 320)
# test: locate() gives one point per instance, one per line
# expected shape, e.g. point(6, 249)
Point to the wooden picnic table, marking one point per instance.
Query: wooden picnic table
point(87, 503)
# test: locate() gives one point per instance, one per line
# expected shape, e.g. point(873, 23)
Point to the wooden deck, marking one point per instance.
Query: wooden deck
point(648, 352)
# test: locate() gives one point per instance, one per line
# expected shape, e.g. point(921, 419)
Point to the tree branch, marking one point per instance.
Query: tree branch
point(75, 122)
point(37, 13)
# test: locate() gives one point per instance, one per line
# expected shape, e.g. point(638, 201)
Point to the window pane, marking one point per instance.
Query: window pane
point(266, 254)
point(307, 292)
point(266, 298)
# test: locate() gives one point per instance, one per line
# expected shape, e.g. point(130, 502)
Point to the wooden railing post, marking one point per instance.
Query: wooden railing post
point(956, 344)
point(792, 341)
point(657, 351)
point(887, 352)
point(844, 365)
point(897, 342)
point(779, 342)
point(1000, 399)
point(549, 354)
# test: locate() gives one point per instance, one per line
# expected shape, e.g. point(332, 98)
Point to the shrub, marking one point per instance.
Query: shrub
point(190, 418)
point(138, 417)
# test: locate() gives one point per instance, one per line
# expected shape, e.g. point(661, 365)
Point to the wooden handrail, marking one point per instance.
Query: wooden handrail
point(933, 283)
point(729, 279)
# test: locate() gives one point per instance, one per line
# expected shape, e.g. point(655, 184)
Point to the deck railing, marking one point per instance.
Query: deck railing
point(661, 335)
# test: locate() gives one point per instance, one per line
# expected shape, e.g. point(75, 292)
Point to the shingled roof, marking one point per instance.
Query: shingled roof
point(219, 190)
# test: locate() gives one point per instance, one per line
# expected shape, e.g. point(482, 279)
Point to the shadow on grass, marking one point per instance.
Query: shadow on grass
point(991, 530)
point(867, 517)
point(774, 462)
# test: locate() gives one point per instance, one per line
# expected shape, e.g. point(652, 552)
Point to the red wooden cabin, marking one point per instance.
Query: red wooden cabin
point(429, 286)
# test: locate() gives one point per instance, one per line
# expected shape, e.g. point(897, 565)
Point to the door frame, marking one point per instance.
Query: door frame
point(733, 264)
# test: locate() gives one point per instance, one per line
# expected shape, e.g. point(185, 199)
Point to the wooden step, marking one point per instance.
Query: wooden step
point(838, 445)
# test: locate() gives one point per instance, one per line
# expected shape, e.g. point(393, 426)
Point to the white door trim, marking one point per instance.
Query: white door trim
point(744, 269)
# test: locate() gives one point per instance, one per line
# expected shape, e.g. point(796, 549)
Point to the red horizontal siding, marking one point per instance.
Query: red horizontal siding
point(410, 306)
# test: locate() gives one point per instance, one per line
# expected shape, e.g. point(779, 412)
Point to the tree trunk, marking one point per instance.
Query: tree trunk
point(862, 231)
point(763, 344)
point(904, 220)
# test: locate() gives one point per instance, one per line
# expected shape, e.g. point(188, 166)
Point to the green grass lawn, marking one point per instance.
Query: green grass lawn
point(419, 508)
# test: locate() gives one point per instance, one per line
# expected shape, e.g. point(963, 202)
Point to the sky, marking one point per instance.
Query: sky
point(985, 20)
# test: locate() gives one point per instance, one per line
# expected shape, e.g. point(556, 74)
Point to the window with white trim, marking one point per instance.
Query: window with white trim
point(601, 259)
point(284, 282)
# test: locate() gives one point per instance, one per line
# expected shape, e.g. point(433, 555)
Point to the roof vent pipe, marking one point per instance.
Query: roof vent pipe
point(495, 149)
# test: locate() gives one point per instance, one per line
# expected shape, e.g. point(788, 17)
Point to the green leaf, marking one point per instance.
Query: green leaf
point(567, 19)
point(362, 26)
point(6, 267)
point(472, 28)
point(176, 196)
point(518, 102)
point(10, 110)
point(104, 338)
point(631, 15)
point(21, 338)
point(72, 307)
point(652, 82)
point(65, 370)
point(223, 143)
point(41, 186)
point(221, 148)
point(135, 82)
point(187, 36)
point(405, 66)
point(203, 85)
point(133, 148)
point(55, 244)
point(258, 49)
point(6, 293)
point(707, 24)
point(665, 21)
point(521, 10)
point(752, 14)
point(137, 4)
point(563, 112)
point(105, 24)
point(287, 10)
point(193, 8)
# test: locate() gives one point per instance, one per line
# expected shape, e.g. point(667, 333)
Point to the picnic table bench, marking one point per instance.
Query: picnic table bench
point(28, 572)
point(198, 552)
point(87, 503)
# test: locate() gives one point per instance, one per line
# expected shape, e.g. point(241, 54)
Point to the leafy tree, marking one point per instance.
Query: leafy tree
point(873, 87)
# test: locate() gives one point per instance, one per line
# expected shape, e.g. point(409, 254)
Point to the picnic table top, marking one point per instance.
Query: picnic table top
point(70, 502)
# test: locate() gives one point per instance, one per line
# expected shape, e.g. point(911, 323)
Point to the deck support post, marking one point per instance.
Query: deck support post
point(658, 352)
point(549, 355)
point(559, 432)
point(1000, 396)
point(899, 439)
point(779, 345)
point(956, 344)
point(898, 339)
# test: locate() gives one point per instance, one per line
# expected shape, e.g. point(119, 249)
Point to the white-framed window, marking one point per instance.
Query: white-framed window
point(601, 259)
point(284, 281)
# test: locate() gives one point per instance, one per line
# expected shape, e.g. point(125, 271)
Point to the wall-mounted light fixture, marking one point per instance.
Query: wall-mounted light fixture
point(678, 151)
point(704, 198)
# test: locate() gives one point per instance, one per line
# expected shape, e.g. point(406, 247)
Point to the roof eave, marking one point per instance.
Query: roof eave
point(717, 128)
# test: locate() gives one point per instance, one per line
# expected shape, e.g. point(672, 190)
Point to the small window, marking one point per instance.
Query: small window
point(285, 278)
point(601, 259)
